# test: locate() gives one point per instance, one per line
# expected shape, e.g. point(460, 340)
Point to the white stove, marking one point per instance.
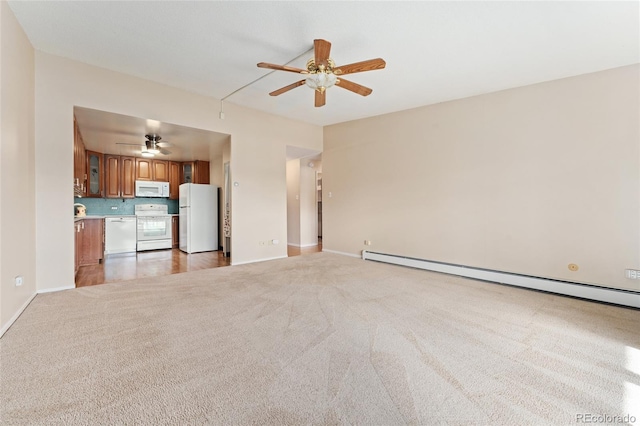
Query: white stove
point(154, 227)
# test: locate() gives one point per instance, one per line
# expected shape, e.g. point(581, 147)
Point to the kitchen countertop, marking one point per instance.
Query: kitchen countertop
point(77, 218)
point(93, 216)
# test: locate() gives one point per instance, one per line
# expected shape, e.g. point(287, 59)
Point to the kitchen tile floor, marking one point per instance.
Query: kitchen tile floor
point(129, 266)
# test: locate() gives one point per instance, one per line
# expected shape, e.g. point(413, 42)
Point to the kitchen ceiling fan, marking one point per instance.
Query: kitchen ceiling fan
point(322, 73)
point(152, 146)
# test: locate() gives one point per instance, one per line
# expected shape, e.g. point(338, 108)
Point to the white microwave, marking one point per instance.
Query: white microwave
point(145, 188)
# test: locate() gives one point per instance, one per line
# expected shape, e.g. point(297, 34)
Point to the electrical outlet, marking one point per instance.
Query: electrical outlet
point(632, 274)
point(367, 242)
point(19, 280)
point(275, 242)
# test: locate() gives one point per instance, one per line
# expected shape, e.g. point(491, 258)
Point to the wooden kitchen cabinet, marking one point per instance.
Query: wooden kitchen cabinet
point(89, 242)
point(174, 180)
point(160, 170)
point(144, 169)
point(175, 231)
point(76, 229)
point(128, 177)
point(201, 172)
point(119, 176)
point(149, 169)
point(91, 247)
point(79, 162)
point(112, 176)
point(186, 172)
point(195, 172)
point(95, 183)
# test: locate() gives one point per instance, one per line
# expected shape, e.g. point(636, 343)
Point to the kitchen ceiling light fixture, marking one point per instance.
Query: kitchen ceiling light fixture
point(151, 147)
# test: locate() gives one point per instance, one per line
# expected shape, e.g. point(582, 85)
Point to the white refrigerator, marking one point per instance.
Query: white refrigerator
point(198, 217)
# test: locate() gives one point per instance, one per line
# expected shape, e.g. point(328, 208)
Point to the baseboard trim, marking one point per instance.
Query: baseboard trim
point(293, 245)
point(51, 290)
point(258, 260)
point(341, 253)
point(567, 288)
point(15, 316)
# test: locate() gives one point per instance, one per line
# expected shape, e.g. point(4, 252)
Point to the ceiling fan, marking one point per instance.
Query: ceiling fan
point(152, 146)
point(322, 73)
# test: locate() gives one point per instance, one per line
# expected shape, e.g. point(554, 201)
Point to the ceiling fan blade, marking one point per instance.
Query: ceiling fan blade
point(163, 144)
point(287, 88)
point(130, 144)
point(164, 151)
point(370, 65)
point(282, 68)
point(354, 87)
point(322, 49)
point(321, 98)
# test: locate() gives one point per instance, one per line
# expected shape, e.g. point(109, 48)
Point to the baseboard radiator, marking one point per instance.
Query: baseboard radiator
point(583, 291)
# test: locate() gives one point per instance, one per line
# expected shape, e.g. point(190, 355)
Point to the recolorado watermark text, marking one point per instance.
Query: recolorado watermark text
point(605, 418)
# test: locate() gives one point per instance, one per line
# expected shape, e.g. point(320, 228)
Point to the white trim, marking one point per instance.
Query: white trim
point(15, 316)
point(584, 291)
point(258, 260)
point(341, 252)
point(51, 290)
point(303, 245)
point(308, 245)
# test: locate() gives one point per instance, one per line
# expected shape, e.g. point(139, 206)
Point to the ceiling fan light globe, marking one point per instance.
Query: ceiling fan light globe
point(320, 80)
point(153, 151)
point(147, 154)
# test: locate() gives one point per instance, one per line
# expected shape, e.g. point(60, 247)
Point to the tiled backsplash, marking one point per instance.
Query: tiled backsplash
point(103, 206)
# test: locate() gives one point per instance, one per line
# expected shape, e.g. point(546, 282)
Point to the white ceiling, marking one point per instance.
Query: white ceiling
point(435, 51)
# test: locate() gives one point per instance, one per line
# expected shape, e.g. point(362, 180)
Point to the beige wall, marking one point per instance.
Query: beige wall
point(17, 166)
point(526, 180)
point(257, 151)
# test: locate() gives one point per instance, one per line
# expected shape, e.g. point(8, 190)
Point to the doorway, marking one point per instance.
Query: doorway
point(304, 201)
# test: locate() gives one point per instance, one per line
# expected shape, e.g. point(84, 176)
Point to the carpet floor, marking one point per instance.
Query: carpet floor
point(317, 339)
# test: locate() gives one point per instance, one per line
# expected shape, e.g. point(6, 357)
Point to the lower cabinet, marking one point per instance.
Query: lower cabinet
point(89, 242)
point(175, 231)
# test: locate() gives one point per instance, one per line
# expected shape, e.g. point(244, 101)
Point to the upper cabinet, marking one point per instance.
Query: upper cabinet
point(144, 169)
point(186, 173)
point(201, 172)
point(195, 172)
point(160, 170)
point(120, 176)
point(174, 180)
point(94, 185)
point(79, 162)
point(128, 177)
point(149, 169)
point(112, 176)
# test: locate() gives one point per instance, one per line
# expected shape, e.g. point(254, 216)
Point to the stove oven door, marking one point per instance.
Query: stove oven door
point(154, 232)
